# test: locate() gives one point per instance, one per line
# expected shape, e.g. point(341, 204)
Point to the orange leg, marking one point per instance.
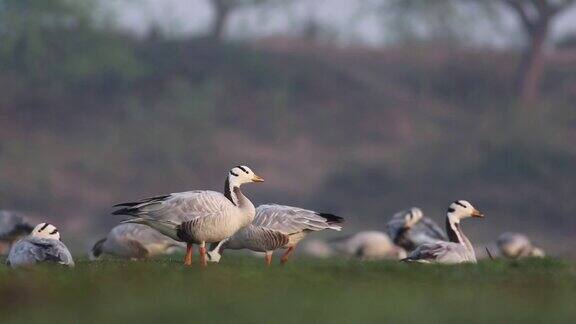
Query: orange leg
point(268, 258)
point(203, 259)
point(188, 257)
point(286, 254)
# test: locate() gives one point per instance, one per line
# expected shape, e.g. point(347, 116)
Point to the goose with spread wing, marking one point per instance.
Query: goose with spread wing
point(277, 227)
point(458, 249)
point(43, 245)
point(410, 229)
point(135, 241)
point(200, 216)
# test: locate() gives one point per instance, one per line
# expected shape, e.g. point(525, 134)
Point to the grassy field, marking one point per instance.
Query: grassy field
point(241, 290)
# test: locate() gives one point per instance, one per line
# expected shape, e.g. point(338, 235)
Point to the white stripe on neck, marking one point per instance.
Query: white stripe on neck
point(453, 219)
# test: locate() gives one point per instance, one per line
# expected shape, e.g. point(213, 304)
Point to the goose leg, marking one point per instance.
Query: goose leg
point(268, 258)
point(286, 254)
point(203, 259)
point(188, 257)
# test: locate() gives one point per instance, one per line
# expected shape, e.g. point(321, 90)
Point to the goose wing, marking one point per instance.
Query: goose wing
point(288, 220)
point(441, 252)
point(395, 227)
point(178, 207)
point(427, 231)
point(140, 233)
point(258, 238)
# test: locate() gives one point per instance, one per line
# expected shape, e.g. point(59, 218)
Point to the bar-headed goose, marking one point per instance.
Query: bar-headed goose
point(368, 245)
point(200, 216)
point(458, 249)
point(42, 245)
point(13, 226)
point(135, 241)
point(410, 229)
point(277, 227)
point(516, 245)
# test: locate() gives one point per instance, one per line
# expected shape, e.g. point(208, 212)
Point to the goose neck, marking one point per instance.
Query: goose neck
point(456, 235)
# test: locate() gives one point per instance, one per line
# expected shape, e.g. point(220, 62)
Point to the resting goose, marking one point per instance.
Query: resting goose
point(13, 226)
point(276, 227)
point(516, 245)
point(458, 249)
point(134, 241)
point(197, 217)
point(368, 245)
point(43, 245)
point(410, 229)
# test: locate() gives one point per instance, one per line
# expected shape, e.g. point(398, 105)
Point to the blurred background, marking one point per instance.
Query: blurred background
point(356, 107)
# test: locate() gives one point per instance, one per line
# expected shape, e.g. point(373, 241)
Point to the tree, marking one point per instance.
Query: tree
point(536, 17)
point(222, 9)
point(441, 20)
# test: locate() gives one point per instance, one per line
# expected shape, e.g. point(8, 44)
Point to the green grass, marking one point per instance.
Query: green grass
point(240, 289)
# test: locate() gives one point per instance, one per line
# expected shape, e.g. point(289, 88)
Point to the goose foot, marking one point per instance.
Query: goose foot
point(286, 254)
point(188, 257)
point(203, 258)
point(268, 258)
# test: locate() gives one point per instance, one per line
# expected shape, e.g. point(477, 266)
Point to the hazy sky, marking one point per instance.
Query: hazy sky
point(183, 17)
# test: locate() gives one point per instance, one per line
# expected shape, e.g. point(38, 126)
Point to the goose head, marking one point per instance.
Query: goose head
point(46, 230)
point(412, 216)
point(242, 174)
point(214, 256)
point(461, 209)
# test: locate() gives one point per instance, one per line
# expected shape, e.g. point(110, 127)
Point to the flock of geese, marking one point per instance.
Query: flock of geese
point(229, 221)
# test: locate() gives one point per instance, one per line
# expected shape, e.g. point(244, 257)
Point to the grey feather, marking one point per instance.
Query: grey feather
point(425, 231)
point(32, 250)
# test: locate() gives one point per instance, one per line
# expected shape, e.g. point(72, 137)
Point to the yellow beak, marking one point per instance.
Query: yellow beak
point(477, 213)
point(257, 178)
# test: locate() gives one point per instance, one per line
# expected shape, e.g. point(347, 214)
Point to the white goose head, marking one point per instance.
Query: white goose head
point(238, 176)
point(214, 256)
point(242, 174)
point(46, 230)
point(461, 209)
point(413, 216)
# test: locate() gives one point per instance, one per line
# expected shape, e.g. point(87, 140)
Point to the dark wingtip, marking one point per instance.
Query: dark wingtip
point(331, 218)
point(128, 204)
point(122, 211)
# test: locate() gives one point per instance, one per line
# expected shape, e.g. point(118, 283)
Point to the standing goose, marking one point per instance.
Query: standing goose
point(410, 229)
point(197, 217)
point(134, 241)
point(42, 245)
point(458, 249)
point(276, 227)
point(516, 245)
point(13, 226)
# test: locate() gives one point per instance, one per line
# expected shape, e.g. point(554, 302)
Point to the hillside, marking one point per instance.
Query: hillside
point(359, 132)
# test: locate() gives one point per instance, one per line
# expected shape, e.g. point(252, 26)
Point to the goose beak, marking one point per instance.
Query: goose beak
point(257, 178)
point(477, 213)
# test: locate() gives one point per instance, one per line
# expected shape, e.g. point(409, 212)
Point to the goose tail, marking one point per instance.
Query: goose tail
point(96, 250)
